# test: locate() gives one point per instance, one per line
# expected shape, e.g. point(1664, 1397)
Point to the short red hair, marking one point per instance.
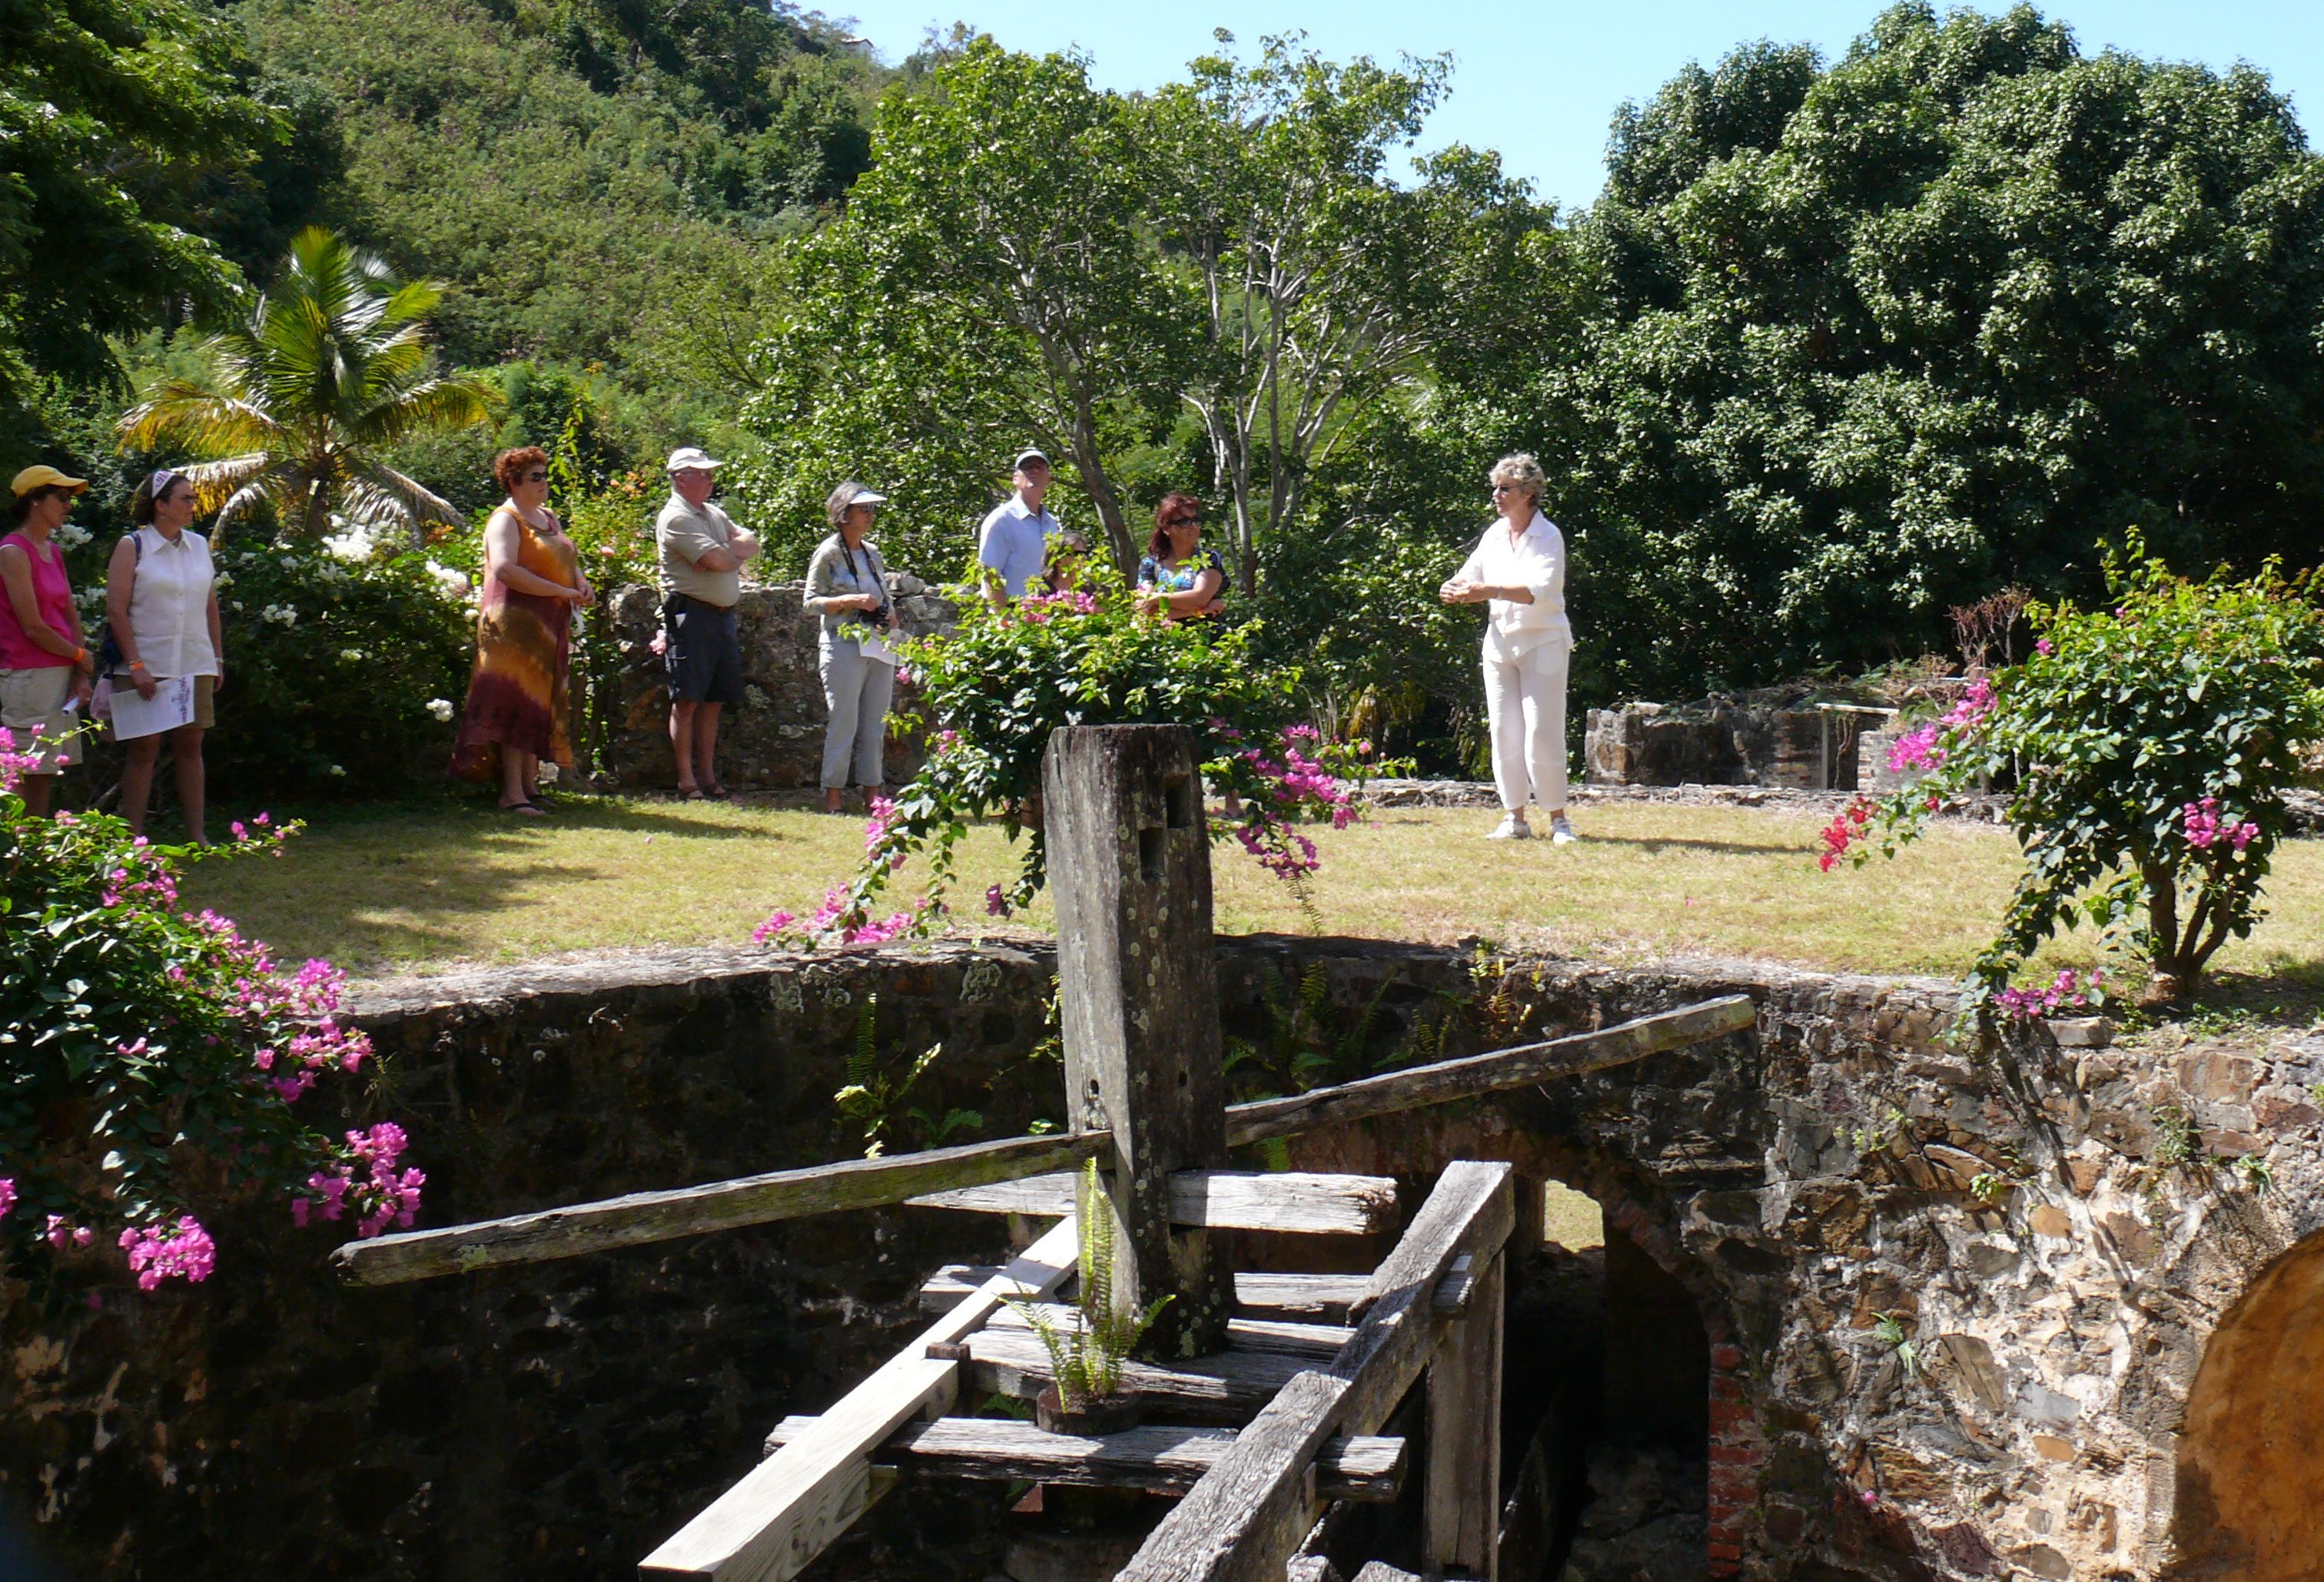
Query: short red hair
point(511, 466)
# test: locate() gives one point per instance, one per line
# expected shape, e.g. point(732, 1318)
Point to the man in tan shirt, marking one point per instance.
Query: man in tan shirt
point(702, 557)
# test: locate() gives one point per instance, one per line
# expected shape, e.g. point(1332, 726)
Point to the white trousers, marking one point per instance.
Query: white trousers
point(1525, 700)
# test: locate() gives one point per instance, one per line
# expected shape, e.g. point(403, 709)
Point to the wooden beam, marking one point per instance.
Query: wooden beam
point(753, 1199)
point(1310, 1299)
point(1227, 1387)
point(1164, 1459)
point(1460, 1505)
point(1473, 1076)
point(1282, 1336)
point(643, 1217)
point(789, 1508)
point(1242, 1521)
point(1216, 1199)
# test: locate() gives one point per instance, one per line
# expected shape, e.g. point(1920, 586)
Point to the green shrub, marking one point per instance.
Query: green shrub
point(151, 1061)
point(2152, 745)
point(343, 677)
point(991, 693)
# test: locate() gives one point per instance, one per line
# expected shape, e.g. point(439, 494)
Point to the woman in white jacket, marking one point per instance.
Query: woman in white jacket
point(1519, 568)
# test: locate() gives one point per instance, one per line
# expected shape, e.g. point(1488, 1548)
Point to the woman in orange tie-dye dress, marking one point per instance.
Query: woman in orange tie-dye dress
point(516, 710)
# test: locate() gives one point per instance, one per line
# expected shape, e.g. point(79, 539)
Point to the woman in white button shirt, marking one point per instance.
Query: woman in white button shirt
point(161, 600)
point(1518, 567)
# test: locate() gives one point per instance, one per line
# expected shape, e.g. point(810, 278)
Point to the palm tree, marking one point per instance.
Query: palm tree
point(330, 368)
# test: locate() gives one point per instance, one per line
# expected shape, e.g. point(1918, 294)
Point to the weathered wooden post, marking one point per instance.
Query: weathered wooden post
point(1129, 865)
point(1461, 1514)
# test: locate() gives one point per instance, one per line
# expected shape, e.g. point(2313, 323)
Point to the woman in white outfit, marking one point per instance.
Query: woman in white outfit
point(847, 585)
point(161, 600)
point(1518, 567)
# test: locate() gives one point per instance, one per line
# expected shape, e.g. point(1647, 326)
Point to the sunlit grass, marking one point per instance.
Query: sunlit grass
point(397, 889)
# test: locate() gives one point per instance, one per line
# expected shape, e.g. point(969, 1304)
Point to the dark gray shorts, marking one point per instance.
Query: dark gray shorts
point(703, 652)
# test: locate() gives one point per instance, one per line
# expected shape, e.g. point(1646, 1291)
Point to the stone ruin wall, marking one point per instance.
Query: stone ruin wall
point(2062, 1420)
point(1722, 742)
point(771, 741)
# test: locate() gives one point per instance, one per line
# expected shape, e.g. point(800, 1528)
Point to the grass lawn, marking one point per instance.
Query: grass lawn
point(402, 888)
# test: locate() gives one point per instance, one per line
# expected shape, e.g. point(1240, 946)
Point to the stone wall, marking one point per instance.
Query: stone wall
point(2029, 1218)
point(774, 739)
point(1720, 741)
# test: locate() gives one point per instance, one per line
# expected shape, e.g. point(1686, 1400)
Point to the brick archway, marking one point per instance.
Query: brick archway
point(2250, 1502)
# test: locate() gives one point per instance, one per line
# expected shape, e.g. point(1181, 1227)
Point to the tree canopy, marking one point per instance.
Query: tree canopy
point(1865, 343)
point(1205, 281)
point(295, 404)
point(114, 113)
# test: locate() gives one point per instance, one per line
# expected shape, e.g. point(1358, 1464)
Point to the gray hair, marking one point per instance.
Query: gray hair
point(836, 507)
point(1521, 470)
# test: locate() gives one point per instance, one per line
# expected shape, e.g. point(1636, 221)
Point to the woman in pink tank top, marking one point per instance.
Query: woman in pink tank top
point(45, 666)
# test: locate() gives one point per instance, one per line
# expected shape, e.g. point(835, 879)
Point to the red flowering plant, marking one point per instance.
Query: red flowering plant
point(2152, 745)
point(988, 693)
point(151, 1059)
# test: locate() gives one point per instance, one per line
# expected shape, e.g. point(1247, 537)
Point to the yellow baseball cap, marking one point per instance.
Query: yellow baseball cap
point(44, 477)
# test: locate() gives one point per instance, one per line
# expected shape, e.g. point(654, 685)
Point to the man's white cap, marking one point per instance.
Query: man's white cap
point(689, 455)
point(1030, 455)
point(864, 496)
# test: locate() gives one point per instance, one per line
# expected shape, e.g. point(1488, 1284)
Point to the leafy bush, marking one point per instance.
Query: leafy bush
point(2154, 743)
point(151, 1060)
point(990, 693)
point(1851, 345)
point(345, 672)
point(342, 677)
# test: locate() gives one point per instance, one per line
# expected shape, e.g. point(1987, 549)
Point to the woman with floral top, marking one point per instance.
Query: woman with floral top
point(1180, 580)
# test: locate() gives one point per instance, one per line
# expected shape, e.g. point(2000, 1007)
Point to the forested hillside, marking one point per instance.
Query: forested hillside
point(564, 165)
point(575, 171)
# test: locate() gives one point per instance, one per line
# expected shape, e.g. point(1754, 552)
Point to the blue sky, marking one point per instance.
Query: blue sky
point(1540, 82)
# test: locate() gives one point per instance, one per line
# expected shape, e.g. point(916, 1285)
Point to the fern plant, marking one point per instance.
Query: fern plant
point(1087, 1355)
point(872, 1098)
point(1890, 1332)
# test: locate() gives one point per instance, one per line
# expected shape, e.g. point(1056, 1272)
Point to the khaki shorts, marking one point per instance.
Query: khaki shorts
point(37, 697)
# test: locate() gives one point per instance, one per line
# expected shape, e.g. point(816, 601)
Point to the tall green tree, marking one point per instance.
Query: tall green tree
point(1319, 282)
point(1011, 193)
point(1032, 258)
point(330, 368)
point(1865, 343)
point(109, 108)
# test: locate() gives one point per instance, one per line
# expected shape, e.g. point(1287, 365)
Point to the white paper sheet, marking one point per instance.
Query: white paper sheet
point(873, 648)
point(171, 706)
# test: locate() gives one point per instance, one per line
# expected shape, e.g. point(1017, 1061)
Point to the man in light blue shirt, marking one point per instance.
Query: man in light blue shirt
point(1013, 544)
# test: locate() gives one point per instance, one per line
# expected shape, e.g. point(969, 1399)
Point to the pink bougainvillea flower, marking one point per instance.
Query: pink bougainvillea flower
point(181, 1252)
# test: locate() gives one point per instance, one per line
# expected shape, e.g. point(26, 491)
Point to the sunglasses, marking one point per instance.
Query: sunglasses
point(536, 477)
point(1181, 521)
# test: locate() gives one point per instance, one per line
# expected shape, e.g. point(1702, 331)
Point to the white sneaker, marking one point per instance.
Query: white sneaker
point(1512, 827)
point(1561, 833)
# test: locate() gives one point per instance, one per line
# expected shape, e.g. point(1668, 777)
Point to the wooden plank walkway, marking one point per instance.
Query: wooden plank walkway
point(792, 1504)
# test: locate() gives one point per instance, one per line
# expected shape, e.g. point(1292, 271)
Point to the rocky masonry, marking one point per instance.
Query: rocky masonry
point(774, 739)
point(2050, 1312)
